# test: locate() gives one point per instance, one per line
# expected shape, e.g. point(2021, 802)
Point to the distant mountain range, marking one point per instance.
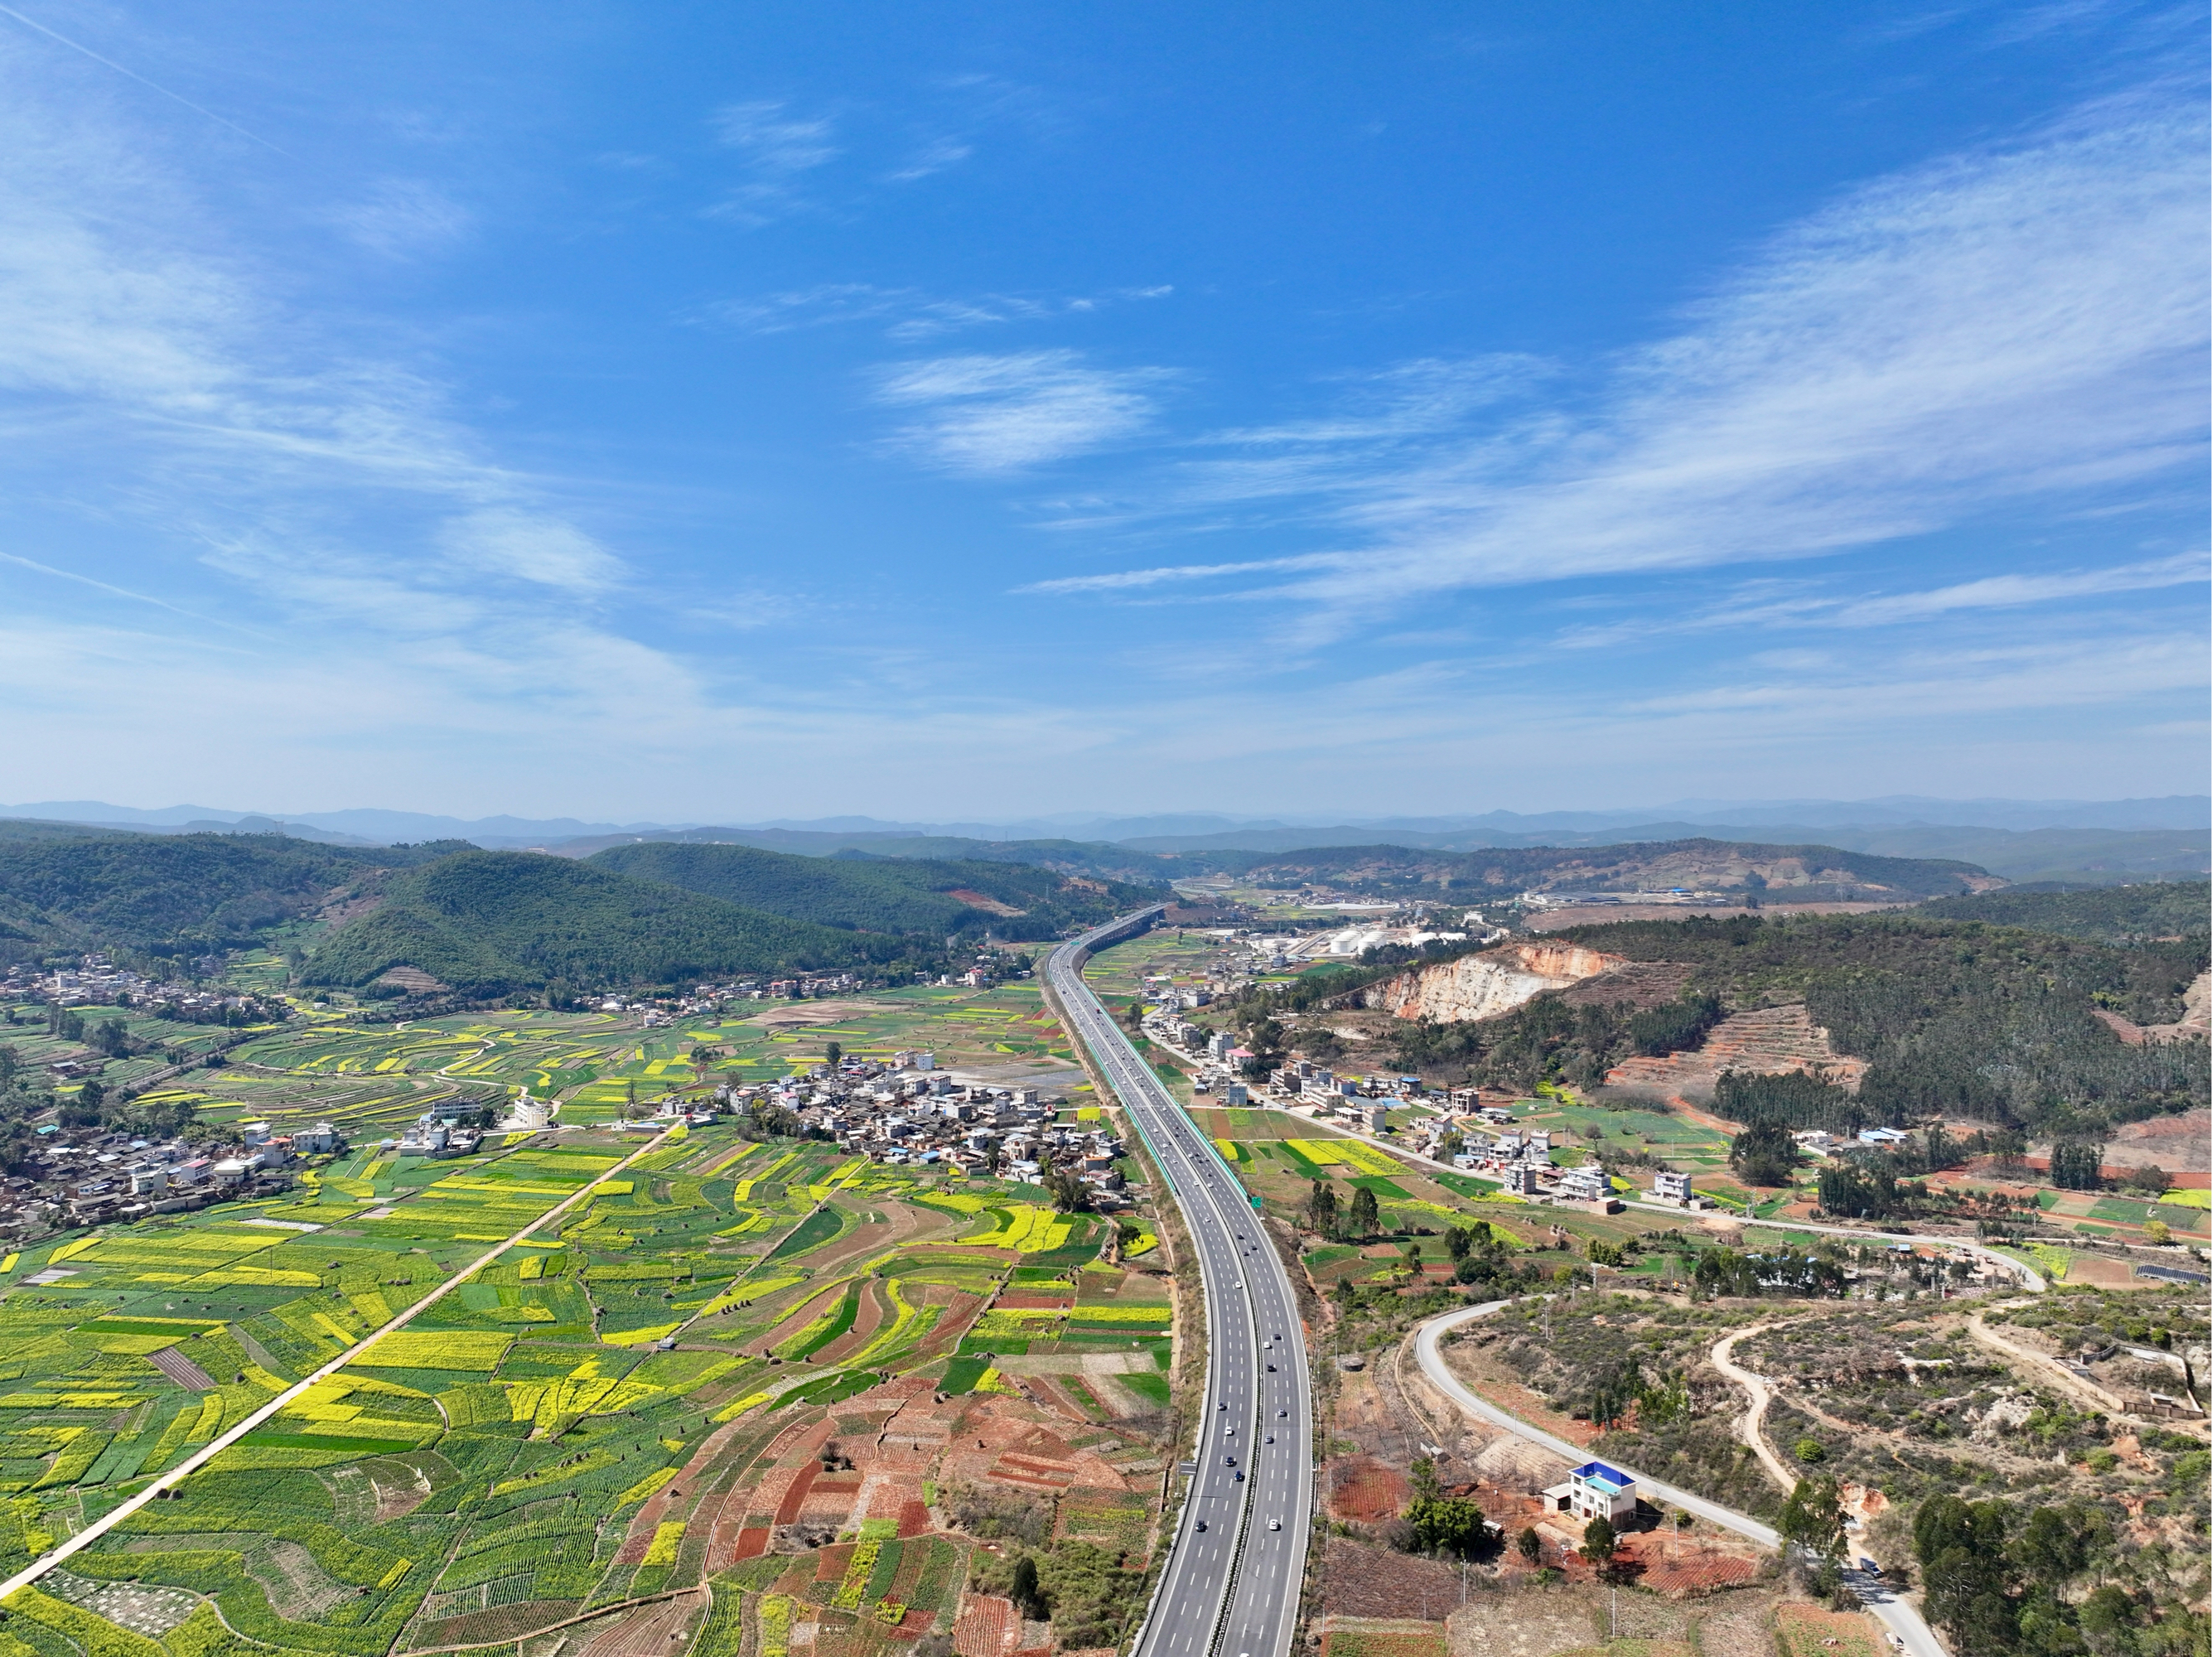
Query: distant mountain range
point(689, 904)
point(2069, 842)
point(490, 923)
point(377, 827)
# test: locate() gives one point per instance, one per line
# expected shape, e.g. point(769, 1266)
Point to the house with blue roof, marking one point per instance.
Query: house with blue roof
point(1593, 1490)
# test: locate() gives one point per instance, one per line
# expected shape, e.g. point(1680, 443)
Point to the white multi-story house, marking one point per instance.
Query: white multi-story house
point(1669, 1186)
point(1593, 1490)
point(1584, 1185)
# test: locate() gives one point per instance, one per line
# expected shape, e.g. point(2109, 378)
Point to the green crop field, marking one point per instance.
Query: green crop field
point(605, 1413)
point(371, 1078)
point(1182, 957)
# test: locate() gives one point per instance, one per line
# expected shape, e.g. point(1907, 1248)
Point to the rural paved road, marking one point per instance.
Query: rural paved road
point(1908, 1631)
point(222, 1441)
point(1237, 1563)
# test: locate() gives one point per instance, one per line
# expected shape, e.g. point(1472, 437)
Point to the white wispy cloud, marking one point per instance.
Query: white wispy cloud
point(1127, 579)
point(995, 413)
point(1767, 605)
point(404, 219)
point(110, 588)
point(532, 546)
point(777, 148)
point(934, 157)
point(929, 130)
point(2022, 321)
point(1425, 398)
point(909, 314)
point(325, 477)
point(775, 140)
point(132, 74)
point(113, 308)
point(2011, 591)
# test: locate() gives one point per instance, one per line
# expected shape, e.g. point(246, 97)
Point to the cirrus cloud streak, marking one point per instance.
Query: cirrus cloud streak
point(2022, 322)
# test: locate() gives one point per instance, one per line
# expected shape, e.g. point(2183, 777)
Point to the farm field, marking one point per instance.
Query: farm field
point(34, 1046)
point(1691, 1147)
point(1279, 1156)
point(1182, 957)
point(1004, 1033)
point(373, 1079)
point(739, 1385)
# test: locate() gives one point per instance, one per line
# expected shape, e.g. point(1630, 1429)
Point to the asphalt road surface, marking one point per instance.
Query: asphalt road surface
point(1238, 1564)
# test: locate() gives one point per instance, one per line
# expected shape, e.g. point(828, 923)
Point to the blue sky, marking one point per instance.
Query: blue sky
point(705, 411)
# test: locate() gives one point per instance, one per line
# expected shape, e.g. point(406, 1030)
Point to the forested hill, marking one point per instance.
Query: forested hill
point(1783, 874)
point(65, 890)
point(930, 897)
point(1955, 1018)
point(2107, 914)
point(488, 923)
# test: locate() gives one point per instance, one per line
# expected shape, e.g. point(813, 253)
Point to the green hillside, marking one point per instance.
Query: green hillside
point(1955, 1017)
point(883, 895)
point(157, 892)
point(491, 922)
point(1796, 874)
point(167, 893)
point(2109, 915)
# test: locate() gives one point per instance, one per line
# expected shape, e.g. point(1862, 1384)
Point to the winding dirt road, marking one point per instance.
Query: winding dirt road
point(1751, 1425)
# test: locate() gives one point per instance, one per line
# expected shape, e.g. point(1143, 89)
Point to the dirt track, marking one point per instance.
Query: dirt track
point(2049, 1370)
point(1750, 1426)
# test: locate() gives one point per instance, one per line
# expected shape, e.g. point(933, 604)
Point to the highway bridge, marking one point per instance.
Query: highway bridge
point(1237, 1564)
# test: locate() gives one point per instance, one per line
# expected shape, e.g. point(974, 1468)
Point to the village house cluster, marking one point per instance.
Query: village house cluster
point(906, 1111)
point(1463, 1132)
point(94, 982)
point(83, 1176)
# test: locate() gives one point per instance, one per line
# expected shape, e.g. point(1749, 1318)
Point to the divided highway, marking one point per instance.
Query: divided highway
point(1237, 1566)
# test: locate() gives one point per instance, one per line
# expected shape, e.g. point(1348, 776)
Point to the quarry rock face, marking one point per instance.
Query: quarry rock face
point(1483, 985)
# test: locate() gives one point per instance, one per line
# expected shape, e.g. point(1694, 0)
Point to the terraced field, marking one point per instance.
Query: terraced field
point(736, 1384)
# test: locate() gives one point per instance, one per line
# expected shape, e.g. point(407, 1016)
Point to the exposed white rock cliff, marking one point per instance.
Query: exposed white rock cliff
point(1483, 985)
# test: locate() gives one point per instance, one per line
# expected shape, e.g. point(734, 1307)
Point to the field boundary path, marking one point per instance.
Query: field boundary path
point(1908, 1631)
point(192, 1464)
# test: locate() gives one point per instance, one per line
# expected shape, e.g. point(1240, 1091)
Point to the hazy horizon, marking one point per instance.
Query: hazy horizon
point(2167, 812)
